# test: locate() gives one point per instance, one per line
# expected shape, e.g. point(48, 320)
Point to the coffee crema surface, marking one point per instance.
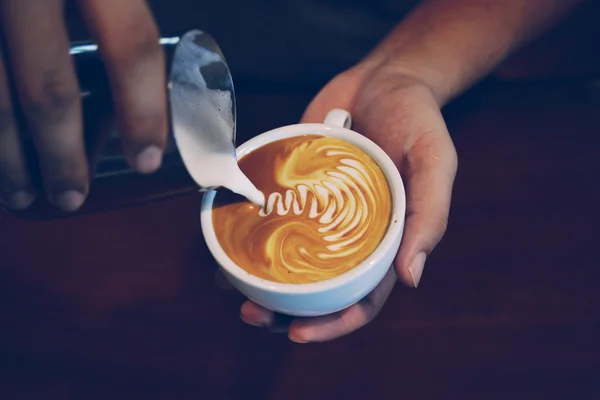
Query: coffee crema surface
point(327, 208)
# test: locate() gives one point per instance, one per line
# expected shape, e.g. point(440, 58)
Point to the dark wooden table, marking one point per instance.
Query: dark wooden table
point(123, 304)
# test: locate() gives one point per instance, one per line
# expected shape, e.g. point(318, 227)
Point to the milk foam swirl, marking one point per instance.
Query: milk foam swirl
point(327, 208)
point(338, 204)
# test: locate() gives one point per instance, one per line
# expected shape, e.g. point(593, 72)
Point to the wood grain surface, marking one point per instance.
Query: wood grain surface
point(123, 304)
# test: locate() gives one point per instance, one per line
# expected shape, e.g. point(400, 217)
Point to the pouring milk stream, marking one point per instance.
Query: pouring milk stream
point(203, 113)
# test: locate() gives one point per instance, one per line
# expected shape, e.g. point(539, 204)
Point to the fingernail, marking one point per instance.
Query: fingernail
point(69, 200)
point(149, 159)
point(18, 200)
point(416, 268)
point(252, 323)
point(296, 340)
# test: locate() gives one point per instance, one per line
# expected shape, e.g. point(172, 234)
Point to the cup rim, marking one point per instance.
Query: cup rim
point(395, 228)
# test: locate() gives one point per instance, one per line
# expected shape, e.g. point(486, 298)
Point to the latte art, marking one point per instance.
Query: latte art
point(338, 205)
point(327, 208)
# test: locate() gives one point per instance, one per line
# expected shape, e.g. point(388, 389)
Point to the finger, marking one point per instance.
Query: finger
point(328, 327)
point(129, 42)
point(253, 314)
point(49, 95)
point(338, 93)
point(429, 169)
point(15, 187)
point(410, 128)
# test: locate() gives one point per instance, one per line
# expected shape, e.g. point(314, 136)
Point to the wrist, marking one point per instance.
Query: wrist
point(449, 45)
point(408, 71)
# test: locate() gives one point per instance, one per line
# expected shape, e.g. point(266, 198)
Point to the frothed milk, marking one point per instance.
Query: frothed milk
point(328, 205)
point(204, 123)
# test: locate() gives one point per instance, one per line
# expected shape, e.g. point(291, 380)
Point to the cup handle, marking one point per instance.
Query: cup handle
point(338, 117)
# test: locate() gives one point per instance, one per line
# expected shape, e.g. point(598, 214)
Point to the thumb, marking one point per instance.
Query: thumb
point(340, 92)
point(429, 170)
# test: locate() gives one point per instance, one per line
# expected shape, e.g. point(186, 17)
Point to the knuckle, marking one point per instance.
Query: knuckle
point(442, 226)
point(439, 231)
point(143, 127)
point(139, 47)
point(61, 165)
point(370, 316)
point(452, 157)
point(365, 313)
point(347, 324)
point(55, 99)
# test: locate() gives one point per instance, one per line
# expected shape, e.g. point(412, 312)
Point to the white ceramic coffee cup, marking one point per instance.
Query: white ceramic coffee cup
point(342, 291)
